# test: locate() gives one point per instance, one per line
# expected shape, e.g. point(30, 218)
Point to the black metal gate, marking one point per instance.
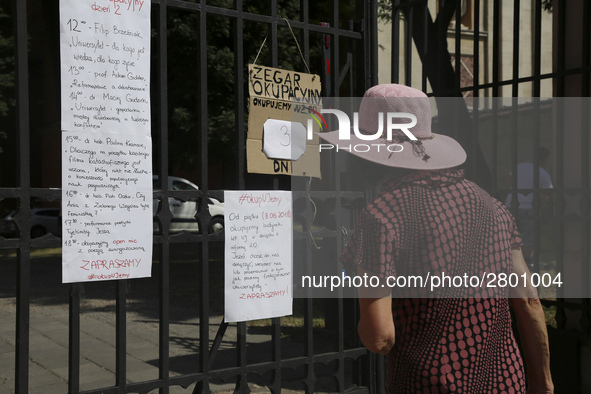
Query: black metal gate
point(199, 55)
point(200, 51)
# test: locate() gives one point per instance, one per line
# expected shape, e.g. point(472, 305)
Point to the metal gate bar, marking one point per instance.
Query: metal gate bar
point(585, 175)
point(24, 251)
point(162, 165)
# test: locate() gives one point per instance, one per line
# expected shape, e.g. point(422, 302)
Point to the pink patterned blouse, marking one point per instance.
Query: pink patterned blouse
point(449, 339)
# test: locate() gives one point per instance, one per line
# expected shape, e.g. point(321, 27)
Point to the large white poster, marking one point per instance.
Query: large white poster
point(258, 255)
point(106, 143)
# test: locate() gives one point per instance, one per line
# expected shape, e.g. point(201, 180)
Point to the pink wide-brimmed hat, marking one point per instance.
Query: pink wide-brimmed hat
point(429, 152)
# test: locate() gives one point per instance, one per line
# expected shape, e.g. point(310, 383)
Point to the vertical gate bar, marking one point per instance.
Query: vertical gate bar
point(373, 64)
point(495, 88)
point(373, 36)
point(242, 378)
point(516, 20)
point(514, 158)
point(408, 47)
point(586, 51)
point(536, 92)
point(476, 60)
point(326, 63)
point(309, 381)
point(164, 258)
point(366, 49)
point(276, 354)
point(514, 105)
point(23, 290)
point(561, 56)
point(475, 86)
point(496, 49)
point(537, 66)
point(536, 200)
point(276, 324)
point(74, 339)
point(425, 47)
point(341, 333)
point(274, 59)
point(458, 50)
point(204, 309)
point(457, 92)
point(311, 378)
point(560, 202)
point(585, 312)
point(373, 76)
point(352, 88)
point(586, 62)
point(380, 374)
point(395, 56)
point(304, 18)
point(239, 78)
point(336, 64)
point(495, 133)
point(304, 10)
point(442, 43)
point(535, 262)
point(121, 335)
point(370, 373)
point(360, 364)
point(561, 62)
point(274, 54)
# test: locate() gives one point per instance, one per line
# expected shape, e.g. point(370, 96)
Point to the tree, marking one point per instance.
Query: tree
point(183, 79)
point(183, 76)
point(430, 36)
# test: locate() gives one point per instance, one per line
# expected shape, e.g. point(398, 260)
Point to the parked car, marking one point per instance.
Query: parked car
point(183, 212)
point(45, 220)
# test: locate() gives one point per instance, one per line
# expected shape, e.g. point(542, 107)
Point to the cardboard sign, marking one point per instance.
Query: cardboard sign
point(282, 95)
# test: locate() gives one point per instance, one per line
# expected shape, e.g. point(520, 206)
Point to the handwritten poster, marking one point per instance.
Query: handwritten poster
point(258, 255)
point(106, 143)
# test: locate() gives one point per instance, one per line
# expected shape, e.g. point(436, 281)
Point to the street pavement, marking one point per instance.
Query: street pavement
point(48, 363)
point(48, 333)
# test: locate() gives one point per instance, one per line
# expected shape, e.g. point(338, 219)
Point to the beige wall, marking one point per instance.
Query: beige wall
point(526, 48)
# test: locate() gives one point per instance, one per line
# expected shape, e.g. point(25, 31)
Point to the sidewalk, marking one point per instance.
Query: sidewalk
point(49, 349)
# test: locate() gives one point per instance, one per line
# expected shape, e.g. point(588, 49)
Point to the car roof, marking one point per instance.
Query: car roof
point(176, 178)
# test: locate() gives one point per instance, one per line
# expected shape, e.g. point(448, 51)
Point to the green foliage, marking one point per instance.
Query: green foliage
point(184, 90)
point(385, 10)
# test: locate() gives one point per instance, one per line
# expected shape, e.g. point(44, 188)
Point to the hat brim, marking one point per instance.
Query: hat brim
point(442, 151)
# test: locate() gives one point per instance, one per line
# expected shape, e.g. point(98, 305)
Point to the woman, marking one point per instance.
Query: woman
point(427, 224)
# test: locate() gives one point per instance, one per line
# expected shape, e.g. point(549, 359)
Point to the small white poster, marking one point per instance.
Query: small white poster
point(258, 255)
point(284, 140)
point(106, 142)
